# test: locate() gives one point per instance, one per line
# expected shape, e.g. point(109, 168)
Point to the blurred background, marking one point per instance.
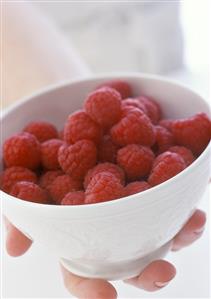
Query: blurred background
point(161, 37)
point(147, 36)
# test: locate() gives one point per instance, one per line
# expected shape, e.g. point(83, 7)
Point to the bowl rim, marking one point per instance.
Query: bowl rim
point(106, 76)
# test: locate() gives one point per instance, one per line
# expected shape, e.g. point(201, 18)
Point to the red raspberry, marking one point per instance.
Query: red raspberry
point(193, 132)
point(22, 150)
point(136, 187)
point(164, 139)
point(129, 104)
point(30, 192)
point(104, 186)
point(41, 130)
point(165, 166)
point(108, 167)
point(61, 186)
point(104, 106)
point(16, 174)
point(126, 109)
point(78, 158)
point(184, 152)
point(74, 198)
point(107, 150)
point(136, 127)
point(136, 160)
point(152, 108)
point(121, 86)
point(166, 123)
point(49, 153)
point(48, 177)
point(80, 126)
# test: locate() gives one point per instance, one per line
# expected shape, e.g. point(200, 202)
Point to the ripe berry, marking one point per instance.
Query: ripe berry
point(42, 130)
point(30, 192)
point(184, 152)
point(61, 186)
point(121, 86)
point(136, 187)
point(104, 106)
point(136, 127)
point(165, 166)
point(15, 174)
point(132, 103)
point(78, 158)
point(22, 150)
point(79, 125)
point(152, 108)
point(104, 186)
point(136, 160)
point(164, 139)
point(193, 132)
point(166, 123)
point(47, 178)
point(74, 198)
point(49, 153)
point(108, 167)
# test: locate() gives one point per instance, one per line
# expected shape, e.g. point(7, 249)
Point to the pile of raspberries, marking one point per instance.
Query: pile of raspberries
point(115, 146)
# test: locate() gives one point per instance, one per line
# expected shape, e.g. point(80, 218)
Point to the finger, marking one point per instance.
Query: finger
point(192, 231)
point(88, 288)
point(154, 277)
point(16, 242)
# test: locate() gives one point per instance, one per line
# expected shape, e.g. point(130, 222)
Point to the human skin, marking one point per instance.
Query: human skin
point(24, 52)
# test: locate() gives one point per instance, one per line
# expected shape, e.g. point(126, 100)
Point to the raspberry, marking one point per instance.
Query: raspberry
point(126, 109)
point(104, 186)
point(80, 126)
point(104, 106)
point(74, 198)
point(48, 177)
point(121, 86)
point(129, 104)
point(166, 123)
point(16, 174)
point(136, 127)
point(41, 130)
point(78, 158)
point(165, 166)
point(22, 150)
point(107, 150)
point(164, 139)
point(152, 108)
point(136, 160)
point(193, 132)
point(184, 152)
point(61, 186)
point(49, 153)
point(30, 192)
point(136, 187)
point(108, 167)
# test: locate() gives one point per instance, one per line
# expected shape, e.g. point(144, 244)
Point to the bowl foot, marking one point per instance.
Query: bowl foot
point(115, 271)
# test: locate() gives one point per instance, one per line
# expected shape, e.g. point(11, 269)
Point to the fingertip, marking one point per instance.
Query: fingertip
point(191, 231)
point(85, 288)
point(155, 276)
point(16, 242)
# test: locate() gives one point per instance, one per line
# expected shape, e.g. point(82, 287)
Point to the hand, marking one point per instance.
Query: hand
point(155, 276)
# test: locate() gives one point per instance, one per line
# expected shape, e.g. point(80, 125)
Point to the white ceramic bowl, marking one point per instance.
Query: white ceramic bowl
point(116, 239)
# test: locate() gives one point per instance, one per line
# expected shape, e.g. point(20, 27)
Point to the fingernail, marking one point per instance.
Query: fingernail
point(199, 231)
point(160, 284)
